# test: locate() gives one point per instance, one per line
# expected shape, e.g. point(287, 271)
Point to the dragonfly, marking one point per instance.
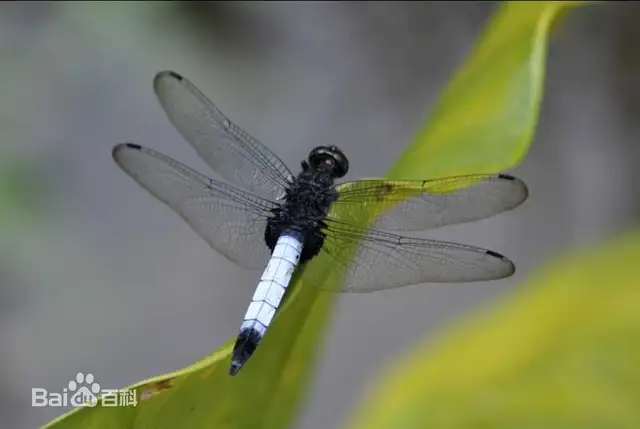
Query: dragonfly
point(262, 216)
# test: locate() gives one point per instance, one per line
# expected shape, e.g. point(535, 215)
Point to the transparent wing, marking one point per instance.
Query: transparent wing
point(231, 221)
point(418, 205)
point(371, 260)
point(229, 151)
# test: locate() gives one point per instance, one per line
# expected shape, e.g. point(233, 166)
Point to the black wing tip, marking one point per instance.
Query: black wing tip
point(518, 182)
point(496, 255)
point(512, 267)
point(169, 73)
point(164, 79)
point(132, 146)
point(175, 75)
point(122, 146)
point(509, 177)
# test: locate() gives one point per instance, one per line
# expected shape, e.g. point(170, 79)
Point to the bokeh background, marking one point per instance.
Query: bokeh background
point(97, 276)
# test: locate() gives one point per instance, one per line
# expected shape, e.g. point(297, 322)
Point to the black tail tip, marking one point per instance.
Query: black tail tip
point(246, 344)
point(235, 367)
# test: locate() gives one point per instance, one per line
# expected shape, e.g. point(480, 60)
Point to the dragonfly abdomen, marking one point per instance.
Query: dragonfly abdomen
point(267, 298)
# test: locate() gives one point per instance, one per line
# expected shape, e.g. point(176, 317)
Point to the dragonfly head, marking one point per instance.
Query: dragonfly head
point(329, 158)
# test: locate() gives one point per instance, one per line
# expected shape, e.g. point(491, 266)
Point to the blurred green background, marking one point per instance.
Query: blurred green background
point(97, 276)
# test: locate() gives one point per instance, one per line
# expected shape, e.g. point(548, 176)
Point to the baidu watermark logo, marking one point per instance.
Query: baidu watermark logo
point(84, 391)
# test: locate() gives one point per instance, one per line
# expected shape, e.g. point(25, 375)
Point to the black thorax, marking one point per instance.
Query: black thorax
point(303, 211)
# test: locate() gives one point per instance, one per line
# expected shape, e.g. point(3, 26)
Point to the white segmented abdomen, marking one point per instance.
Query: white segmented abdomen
point(273, 283)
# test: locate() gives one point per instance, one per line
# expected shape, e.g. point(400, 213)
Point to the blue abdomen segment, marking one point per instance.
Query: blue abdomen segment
point(267, 298)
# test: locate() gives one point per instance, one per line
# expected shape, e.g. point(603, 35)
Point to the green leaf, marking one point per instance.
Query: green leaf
point(483, 123)
point(485, 118)
point(562, 352)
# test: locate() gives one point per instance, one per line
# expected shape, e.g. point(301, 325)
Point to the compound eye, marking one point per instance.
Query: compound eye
point(319, 156)
point(329, 159)
point(341, 166)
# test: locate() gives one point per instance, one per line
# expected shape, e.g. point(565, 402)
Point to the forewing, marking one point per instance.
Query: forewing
point(231, 221)
point(418, 205)
point(371, 260)
point(229, 151)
